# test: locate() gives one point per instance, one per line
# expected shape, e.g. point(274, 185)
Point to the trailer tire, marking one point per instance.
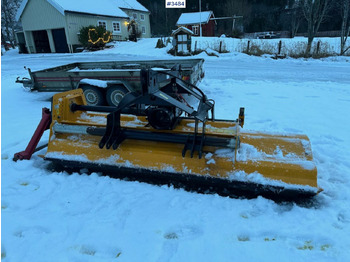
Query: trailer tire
point(93, 95)
point(115, 94)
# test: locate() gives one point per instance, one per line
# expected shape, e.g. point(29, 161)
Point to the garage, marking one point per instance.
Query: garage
point(41, 41)
point(60, 40)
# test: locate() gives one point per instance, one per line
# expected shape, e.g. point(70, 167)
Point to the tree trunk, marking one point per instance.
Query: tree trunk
point(310, 37)
point(295, 21)
point(314, 12)
point(345, 27)
point(308, 46)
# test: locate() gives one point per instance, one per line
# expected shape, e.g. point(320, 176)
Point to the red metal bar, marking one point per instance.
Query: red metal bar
point(43, 125)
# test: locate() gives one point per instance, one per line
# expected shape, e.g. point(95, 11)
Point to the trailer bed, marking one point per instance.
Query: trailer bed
point(67, 77)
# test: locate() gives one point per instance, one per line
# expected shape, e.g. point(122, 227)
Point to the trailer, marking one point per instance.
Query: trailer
point(106, 83)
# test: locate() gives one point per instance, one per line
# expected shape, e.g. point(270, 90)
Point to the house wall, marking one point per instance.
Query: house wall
point(146, 22)
point(190, 27)
point(183, 42)
point(40, 15)
point(208, 29)
point(76, 21)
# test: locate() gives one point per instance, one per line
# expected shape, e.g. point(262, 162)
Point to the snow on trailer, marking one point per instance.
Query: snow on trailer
point(105, 83)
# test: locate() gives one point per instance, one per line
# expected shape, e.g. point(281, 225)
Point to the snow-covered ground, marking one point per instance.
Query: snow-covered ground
point(290, 46)
point(51, 216)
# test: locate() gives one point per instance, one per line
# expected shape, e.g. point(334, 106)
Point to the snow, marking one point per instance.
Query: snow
point(54, 216)
point(194, 18)
point(290, 46)
point(260, 179)
point(102, 7)
point(131, 4)
point(248, 152)
point(182, 29)
point(77, 69)
point(97, 119)
point(21, 9)
point(94, 82)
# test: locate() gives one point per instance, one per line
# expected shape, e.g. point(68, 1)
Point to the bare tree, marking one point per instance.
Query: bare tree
point(315, 12)
point(295, 18)
point(8, 19)
point(235, 8)
point(344, 7)
point(240, 7)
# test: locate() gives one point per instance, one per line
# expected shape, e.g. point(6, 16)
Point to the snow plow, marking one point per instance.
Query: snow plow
point(167, 134)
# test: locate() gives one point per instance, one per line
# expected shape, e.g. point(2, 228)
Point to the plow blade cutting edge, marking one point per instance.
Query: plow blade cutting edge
point(229, 162)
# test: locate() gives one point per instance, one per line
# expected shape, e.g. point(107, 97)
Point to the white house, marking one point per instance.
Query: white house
point(53, 25)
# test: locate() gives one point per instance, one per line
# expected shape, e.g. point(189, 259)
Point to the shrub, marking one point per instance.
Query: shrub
point(171, 51)
point(255, 50)
point(134, 32)
point(174, 53)
point(160, 43)
point(236, 34)
point(92, 37)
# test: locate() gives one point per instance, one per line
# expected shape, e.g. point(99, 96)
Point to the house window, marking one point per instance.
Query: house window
point(116, 27)
point(182, 38)
point(195, 29)
point(142, 17)
point(102, 23)
point(143, 30)
point(134, 15)
point(182, 48)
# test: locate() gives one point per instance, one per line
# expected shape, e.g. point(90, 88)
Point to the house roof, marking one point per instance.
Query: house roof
point(131, 4)
point(194, 18)
point(182, 29)
point(100, 7)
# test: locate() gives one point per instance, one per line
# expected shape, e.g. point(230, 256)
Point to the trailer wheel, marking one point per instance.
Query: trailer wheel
point(93, 96)
point(115, 95)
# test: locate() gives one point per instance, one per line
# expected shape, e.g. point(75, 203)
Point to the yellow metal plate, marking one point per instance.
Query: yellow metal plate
point(286, 158)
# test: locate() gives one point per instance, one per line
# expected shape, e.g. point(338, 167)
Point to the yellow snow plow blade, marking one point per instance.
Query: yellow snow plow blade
point(230, 162)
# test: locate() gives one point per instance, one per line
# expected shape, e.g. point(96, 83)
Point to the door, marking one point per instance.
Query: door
point(182, 43)
point(41, 41)
point(60, 40)
point(21, 43)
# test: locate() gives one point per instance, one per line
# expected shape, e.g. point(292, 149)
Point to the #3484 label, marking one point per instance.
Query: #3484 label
point(175, 4)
